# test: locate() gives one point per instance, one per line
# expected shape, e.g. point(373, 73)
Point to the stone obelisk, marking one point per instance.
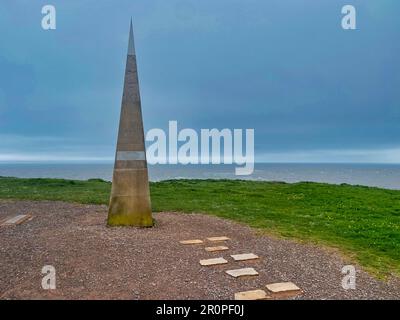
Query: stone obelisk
point(130, 196)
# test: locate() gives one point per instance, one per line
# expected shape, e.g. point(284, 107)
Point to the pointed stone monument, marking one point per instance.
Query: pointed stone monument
point(130, 195)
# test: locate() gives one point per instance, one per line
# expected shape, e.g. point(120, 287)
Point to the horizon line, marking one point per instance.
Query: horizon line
point(111, 161)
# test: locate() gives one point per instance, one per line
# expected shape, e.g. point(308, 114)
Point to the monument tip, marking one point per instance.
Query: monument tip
point(131, 45)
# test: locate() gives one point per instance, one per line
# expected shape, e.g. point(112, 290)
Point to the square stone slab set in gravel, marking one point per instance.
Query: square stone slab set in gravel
point(275, 290)
point(16, 220)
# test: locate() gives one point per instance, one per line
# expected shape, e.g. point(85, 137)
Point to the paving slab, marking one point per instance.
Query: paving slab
point(17, 220)
point(244, 256)
point(213, 262)
point(242, 272)
point(218, 238)
point(283, 289)
point(251, 295)
point(217, 248)
point(194, 241)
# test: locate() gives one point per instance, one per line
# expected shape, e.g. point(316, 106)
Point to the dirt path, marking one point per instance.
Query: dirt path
point(96, 262)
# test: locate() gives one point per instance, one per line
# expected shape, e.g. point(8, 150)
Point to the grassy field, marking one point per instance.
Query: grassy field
point(363, 222)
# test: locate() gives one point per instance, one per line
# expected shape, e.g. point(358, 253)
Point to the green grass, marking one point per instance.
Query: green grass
point(363, 222)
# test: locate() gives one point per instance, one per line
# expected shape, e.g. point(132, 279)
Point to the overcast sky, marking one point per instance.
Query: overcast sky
point(311, 90)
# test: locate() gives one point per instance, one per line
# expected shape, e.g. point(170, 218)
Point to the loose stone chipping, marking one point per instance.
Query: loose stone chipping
point(242, 272)
point(122, 250)
point(212, 262)
point(244, 256)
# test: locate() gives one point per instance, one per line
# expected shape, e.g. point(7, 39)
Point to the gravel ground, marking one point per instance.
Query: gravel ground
point(96, 262)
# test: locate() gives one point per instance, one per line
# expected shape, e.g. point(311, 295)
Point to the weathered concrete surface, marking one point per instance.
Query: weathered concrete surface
point(251, 295)
point(194, 241)
point(130, 195)
point(284, 289)
point(244, 256)
point(16, 220)
point(213, 261)
point(223, 238)
point(217, 248)
point(242, 272)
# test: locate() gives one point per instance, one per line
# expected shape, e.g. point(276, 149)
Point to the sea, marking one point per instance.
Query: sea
point(373, 175)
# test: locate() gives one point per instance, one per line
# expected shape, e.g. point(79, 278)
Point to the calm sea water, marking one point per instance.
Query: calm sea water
point(377, 175)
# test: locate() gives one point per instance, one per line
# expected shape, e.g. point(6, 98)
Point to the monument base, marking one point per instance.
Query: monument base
point(119, 216)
